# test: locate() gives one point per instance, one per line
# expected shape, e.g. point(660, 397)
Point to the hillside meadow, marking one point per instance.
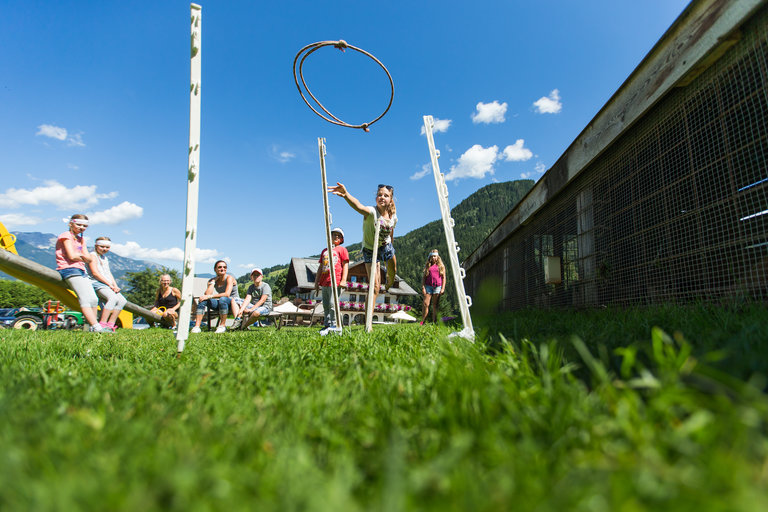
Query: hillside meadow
point(529, 417)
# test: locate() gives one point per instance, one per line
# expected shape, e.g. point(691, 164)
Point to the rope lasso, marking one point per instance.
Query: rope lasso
point(341, 45)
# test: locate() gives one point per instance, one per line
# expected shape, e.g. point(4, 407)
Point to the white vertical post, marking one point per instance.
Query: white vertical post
point(371, 298)
point(453, 248)
point(328, 237)
point(193, 175)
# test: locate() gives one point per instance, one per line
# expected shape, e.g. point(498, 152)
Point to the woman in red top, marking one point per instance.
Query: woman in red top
point(432, 284)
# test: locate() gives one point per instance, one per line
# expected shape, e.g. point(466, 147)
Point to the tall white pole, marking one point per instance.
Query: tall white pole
point(453, 248)
point(193, 177)
point(370, 300)
point(328, 237)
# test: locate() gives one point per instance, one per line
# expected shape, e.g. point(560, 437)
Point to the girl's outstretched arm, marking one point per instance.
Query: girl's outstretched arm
point(341, 191)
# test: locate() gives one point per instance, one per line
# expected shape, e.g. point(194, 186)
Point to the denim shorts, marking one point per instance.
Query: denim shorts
point(98, 285)
point(261, 310)
point(219, 305)
point(432, 290)
point(385, 253)
point(66, 273)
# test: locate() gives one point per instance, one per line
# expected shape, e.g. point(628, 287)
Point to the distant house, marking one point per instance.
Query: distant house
point(300, 281)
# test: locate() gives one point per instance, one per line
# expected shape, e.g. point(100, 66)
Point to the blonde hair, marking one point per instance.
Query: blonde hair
point(75, 217)
point(439, 264)
point(160, 288)
point(391, 209)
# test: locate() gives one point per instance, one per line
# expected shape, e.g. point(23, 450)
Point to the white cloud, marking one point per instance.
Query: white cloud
point(538, 170)
point(59, 133)
point(476, 162)
point(122, 212)
point(489, 112)
point(18, 219)
point(517, 153)
point(281, 156)
point(441, 125)
point(54, 132)
point(549, 104)
point(425, 169)
point(76, 140)
point(247, 266)
point(134, 250)
point(75, 198)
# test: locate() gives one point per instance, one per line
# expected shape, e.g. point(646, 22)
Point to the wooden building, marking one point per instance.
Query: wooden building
point(300, 282)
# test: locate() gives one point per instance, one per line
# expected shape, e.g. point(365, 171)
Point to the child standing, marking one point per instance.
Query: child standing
point(105, 285)
point(71, 257)
point(323, 278)
point(385, 214)
point(432, 284)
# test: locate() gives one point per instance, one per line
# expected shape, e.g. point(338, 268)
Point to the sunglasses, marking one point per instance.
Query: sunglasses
point(388, 187)
point(217, 268)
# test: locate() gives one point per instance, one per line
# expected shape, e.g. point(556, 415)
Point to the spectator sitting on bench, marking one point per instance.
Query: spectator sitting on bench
point(168, 298)
point(258, 300)
point(216, 297)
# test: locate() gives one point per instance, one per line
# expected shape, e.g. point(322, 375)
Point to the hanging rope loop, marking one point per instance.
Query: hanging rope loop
point(341, 45)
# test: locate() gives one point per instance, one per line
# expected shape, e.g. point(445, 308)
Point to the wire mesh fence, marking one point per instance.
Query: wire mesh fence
point(675, 210)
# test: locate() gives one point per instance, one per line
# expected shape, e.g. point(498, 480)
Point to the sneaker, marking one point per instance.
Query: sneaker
point(195, 330)
point(237, 323)
point(220, 329)
point(104, 324)
point(325, 330)
point(330, 330)
point(98, 328)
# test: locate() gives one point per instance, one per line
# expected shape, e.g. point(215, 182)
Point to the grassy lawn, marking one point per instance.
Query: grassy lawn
point(527, 418)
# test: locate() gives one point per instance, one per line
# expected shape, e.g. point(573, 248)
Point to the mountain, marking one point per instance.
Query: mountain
point(39, 247)
point(475, 217)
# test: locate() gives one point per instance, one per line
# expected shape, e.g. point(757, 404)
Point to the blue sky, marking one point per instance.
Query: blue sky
point(94, 111)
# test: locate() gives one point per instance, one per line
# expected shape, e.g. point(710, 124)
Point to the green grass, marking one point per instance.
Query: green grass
point(402, 419)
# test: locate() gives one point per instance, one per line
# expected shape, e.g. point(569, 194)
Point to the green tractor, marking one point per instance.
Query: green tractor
point(51, 316)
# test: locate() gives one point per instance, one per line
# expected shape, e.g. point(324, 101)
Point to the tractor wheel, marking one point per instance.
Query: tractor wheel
point(29, 322)
point(70, 323)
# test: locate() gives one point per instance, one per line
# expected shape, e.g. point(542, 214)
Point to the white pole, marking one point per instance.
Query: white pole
point(453, 248)
point(369, 303)
point(328, 237)
point(193, 178)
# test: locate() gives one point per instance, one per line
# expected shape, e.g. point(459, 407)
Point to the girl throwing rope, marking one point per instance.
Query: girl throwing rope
point(385, 214)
